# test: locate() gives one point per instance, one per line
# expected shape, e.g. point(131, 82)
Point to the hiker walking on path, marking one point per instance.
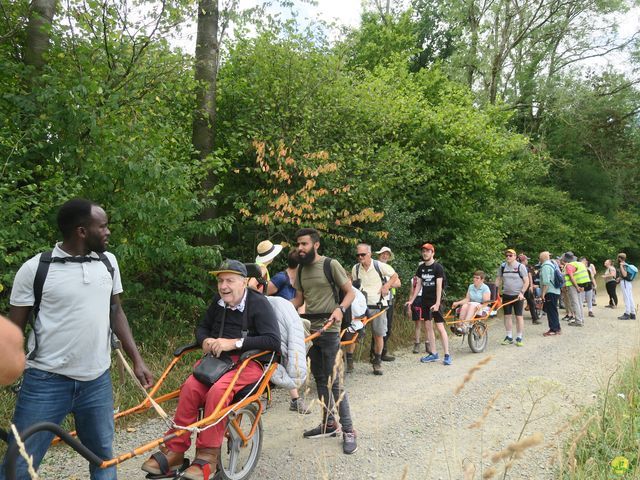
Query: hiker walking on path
point(576, 275)
point(627, 274)
point(529, 295)
point(281, 284)
point(588, 294)
point(550, 294)
point(322, 298)
point(432, 276)
point(385, 255)
point(74, 295)
point(610, 275)
point(376, 280)
point(513, 277)
point(415, 308)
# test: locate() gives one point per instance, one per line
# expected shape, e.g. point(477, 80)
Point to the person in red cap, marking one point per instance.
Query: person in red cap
point(432, 276)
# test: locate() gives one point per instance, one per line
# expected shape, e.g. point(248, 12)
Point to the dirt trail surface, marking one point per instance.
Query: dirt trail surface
point(411, 424)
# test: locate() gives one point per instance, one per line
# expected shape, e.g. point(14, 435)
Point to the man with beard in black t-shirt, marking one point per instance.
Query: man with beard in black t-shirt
point(431, 274)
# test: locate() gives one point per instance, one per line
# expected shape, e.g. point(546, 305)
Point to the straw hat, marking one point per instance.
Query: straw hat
point(386, 249)
point(267, 251)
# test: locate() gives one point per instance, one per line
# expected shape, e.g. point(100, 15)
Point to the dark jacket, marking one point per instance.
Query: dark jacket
point(262, 323)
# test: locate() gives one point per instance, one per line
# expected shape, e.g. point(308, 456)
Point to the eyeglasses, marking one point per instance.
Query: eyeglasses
point(361, 254)
point(509, 255)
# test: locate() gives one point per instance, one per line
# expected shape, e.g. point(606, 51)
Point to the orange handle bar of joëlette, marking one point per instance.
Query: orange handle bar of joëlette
point(495, 305)
point(364, 324)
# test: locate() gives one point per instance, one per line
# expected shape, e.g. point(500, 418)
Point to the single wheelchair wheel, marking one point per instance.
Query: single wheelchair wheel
point(237, 462)
point(478, 337)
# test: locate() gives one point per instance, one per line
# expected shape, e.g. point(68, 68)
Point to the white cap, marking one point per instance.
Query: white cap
point(386, 249)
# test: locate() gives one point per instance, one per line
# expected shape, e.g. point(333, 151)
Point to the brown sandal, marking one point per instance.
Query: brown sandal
point(165, 464)
point(203, 466)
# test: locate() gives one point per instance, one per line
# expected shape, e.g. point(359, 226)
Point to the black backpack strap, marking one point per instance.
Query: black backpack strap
point(103, 258)
point(299, 275)
point(326, 267)
point(38, 281)
point(376, 265)
point(38, 284)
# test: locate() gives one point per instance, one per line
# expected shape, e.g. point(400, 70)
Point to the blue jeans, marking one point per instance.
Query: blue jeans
point(49, 397)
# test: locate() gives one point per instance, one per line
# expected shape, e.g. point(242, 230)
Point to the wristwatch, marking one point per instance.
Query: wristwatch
point(239, 343)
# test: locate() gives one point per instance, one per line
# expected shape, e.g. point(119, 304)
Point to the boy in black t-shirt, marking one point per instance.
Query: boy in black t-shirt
point(431, 274)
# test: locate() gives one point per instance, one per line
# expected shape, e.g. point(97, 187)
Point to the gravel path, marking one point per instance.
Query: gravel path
point(412, 425)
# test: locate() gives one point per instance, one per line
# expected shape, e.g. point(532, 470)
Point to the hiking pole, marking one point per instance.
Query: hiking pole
point(116, 342)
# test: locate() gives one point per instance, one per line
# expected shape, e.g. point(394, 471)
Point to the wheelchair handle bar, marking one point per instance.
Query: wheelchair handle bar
point(12, 452)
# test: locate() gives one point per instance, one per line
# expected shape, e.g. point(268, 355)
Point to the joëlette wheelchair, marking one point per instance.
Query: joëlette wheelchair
point(477, 329)
point(243, 434)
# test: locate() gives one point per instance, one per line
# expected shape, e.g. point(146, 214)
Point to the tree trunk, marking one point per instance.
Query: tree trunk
point(38, 32)
point(206, 72)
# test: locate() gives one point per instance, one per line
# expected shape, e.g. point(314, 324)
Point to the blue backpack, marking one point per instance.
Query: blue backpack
point(632, 271)
point(558, 277)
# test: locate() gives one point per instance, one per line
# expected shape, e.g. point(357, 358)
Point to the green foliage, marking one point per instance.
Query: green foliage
point(607, 430)
point(107, 119)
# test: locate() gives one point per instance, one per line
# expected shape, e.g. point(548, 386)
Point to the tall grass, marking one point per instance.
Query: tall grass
point(608, 429)
point(126, 393)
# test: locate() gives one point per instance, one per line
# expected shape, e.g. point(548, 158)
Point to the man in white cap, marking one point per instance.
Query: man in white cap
point(385, 255)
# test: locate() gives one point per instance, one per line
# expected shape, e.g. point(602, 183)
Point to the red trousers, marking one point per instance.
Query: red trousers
point(194, 394)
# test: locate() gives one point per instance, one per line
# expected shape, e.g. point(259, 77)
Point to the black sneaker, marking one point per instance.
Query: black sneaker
point(349, 444)
point(322, 430)
point(632, 316)
point(624, 317)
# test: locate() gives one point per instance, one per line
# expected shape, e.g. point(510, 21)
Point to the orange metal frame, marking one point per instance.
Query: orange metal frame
point(220, 411)
point(494, 305)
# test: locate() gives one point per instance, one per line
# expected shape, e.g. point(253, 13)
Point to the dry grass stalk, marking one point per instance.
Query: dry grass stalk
point(23, 453)
point(516, 449)
point(574, 445)
point(405, 473)
point(469, 471)
point(489, 473)
point(467, 378)
point(485, 413)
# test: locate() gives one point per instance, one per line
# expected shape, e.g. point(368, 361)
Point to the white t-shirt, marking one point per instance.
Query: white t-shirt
point(73, 322)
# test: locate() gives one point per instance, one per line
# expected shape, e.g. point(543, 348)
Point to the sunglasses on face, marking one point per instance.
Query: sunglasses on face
point(361, 254)
point(510, 255)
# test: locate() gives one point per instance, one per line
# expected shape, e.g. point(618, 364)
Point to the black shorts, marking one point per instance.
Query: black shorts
point(416, 309)
point(517, 307)
point(428, 314)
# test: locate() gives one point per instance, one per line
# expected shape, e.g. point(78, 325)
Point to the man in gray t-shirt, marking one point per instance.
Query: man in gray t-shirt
point(513, 277)
point(69, 346)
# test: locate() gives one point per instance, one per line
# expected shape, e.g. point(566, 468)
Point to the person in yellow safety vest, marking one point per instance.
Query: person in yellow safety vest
point(576, 276)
